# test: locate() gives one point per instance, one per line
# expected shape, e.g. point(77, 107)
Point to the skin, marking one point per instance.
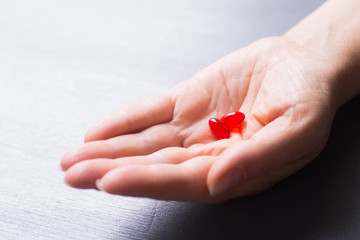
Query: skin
point(287, 88)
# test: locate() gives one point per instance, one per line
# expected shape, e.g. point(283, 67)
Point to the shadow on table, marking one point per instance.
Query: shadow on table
point(318, 202)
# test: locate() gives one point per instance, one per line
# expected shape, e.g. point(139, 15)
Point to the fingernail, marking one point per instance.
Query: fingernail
point(226, 182)
point(98, 184)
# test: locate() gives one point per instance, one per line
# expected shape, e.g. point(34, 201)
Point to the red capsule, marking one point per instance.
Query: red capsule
point(219, 128)
point(233, 119)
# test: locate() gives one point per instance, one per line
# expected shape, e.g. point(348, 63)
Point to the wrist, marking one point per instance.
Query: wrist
point(332, 33)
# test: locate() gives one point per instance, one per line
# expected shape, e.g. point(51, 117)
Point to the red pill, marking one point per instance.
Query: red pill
point(219, 128)
point(233, 119)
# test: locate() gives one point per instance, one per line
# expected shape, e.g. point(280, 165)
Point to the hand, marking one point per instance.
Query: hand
point(163, 148)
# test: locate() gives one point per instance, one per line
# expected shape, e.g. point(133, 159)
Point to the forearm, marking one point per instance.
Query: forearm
point(333, 31)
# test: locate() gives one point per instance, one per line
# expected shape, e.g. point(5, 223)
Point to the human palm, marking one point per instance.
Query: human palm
point(163, 148)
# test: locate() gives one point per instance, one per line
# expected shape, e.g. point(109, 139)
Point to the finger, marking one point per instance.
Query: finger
point(185, 181)
point(133, 118)
point(84, 174)
point(91, 150)
point(142, 143)
point(276, 147)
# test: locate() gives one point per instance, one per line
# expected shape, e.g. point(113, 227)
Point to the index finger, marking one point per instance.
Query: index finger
point(185, 181)
point(133, 118)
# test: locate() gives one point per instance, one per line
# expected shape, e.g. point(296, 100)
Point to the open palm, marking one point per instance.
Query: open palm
point(163, 148)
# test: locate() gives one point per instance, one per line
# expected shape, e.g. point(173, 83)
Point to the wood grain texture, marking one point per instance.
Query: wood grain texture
point(64, 64)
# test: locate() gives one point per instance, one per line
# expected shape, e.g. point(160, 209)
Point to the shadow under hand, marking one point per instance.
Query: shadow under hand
point(322, 201)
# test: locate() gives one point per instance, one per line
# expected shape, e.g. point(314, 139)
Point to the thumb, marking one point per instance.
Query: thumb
point(272, 153)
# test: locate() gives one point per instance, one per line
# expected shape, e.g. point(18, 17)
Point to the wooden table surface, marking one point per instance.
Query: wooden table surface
point(65, 64)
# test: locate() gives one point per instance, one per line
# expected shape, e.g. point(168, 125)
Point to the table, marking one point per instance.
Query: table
point(65, 64)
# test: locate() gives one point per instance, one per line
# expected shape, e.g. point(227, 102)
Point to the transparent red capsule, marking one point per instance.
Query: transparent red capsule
point(219, 128)
point(233, 119)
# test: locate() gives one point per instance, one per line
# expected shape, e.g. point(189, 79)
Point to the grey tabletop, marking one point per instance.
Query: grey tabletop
point(65, 64)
